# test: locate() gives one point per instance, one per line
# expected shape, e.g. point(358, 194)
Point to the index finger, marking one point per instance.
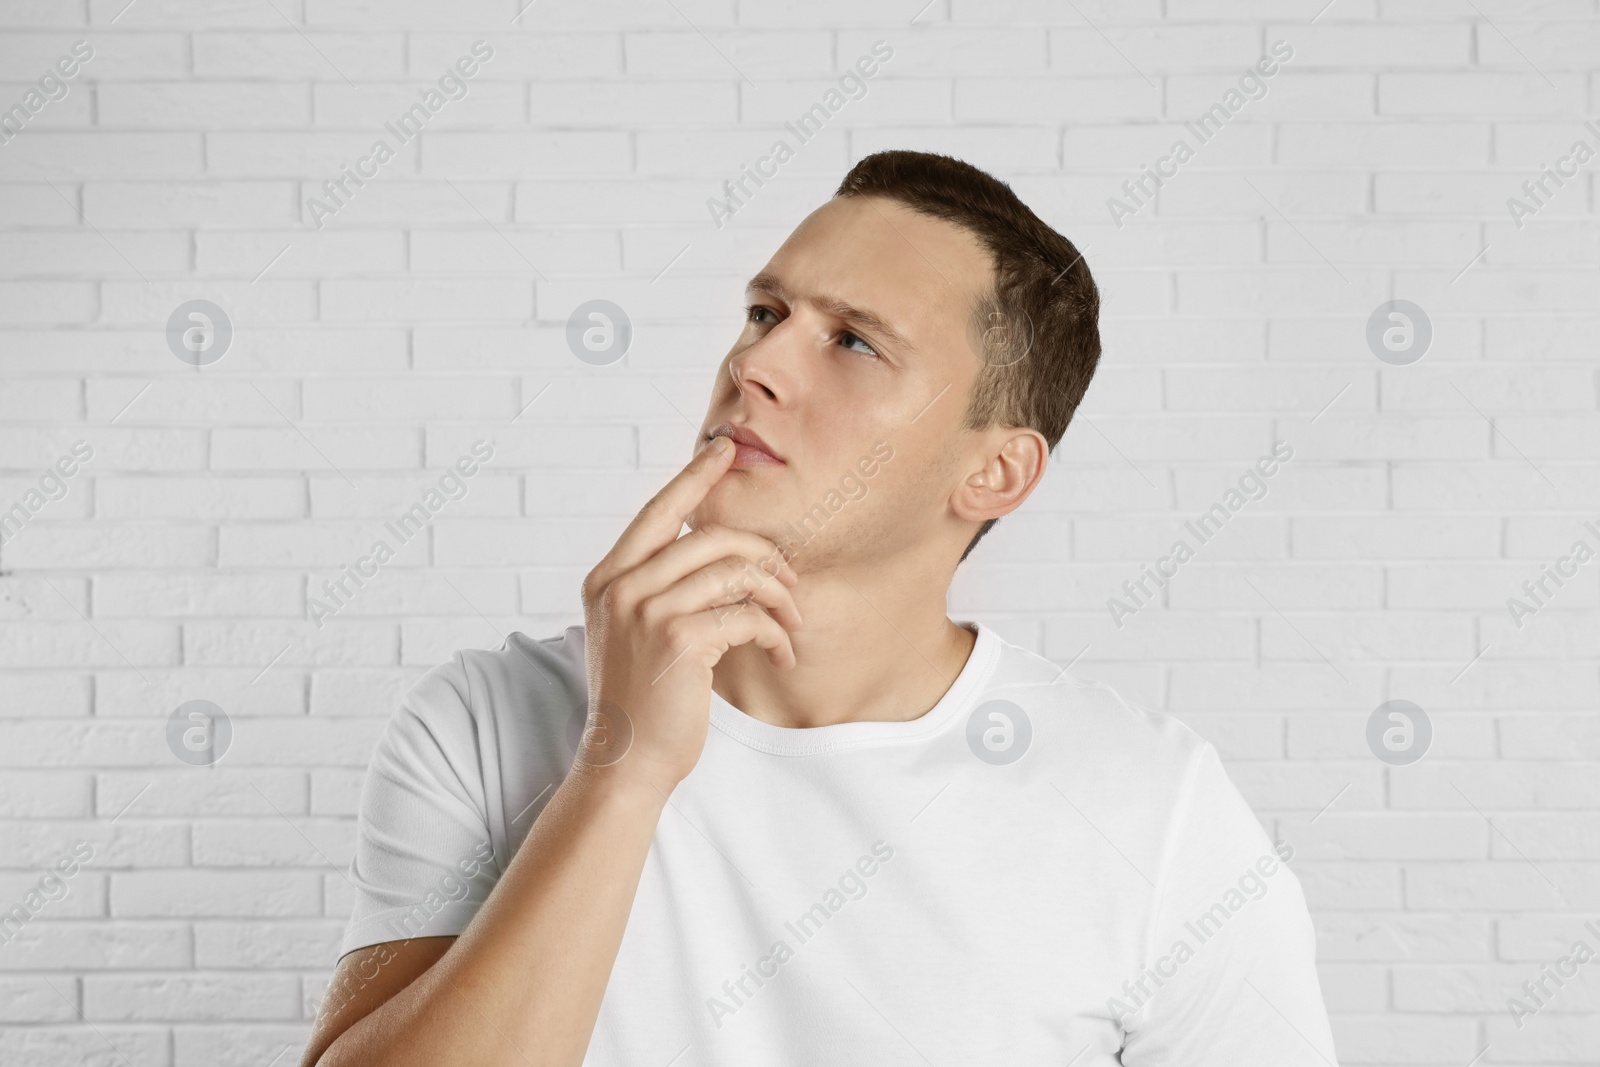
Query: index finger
point(658, 522)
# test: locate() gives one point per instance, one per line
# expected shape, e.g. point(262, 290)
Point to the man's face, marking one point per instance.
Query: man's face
point(858, 341)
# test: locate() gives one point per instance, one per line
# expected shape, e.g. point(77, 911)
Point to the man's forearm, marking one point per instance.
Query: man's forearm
point(522, 985)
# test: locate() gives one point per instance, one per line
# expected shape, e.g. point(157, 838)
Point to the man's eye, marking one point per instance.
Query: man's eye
point(754, 312)
point(866, 348)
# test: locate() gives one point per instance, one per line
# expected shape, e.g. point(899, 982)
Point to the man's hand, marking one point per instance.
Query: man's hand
point(658, 617)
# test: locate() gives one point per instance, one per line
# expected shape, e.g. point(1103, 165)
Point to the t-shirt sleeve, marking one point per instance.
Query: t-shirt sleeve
point(1230, 976)
point(423, 863)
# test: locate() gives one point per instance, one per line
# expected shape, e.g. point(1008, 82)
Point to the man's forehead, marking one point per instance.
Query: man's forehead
point(874, 255)
point(888, 233)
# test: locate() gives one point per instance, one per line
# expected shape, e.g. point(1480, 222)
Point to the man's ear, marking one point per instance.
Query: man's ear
point(1009, 463)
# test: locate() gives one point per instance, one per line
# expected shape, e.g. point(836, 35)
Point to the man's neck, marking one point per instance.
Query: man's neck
point(870, 650)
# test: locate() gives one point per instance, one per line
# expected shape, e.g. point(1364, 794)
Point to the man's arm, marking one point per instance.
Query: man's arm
point(1231, 976)
point(522, 984)
point(364, 980)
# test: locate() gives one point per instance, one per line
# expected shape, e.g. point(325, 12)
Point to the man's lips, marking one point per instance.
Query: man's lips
point(750, 450)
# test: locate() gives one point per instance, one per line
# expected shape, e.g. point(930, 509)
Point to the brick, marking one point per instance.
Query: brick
point(361, 300)
point(1388, 936)
point(106, 154)
point(275, 944)
point(95, 946)
point(1479, 94)
point(252, 255)
point(336, 790)
point(287, 54)
point(214, 894)
point(135, 55)
point(325, 546)
point(77, 644)
point(493, 105)
point(256, 644)
point(1093, 49)
point(1406, 1039)
point(168, 204)
point(208, 106)
point(41, 13)
point(314, 742)
point(274, 841)
point(318, 448)
point(155, 692)
point(201, 498)
point(114, 254)
point(390, 496)
point(33, 695)
point(26, 999)
point(30, 303)
point(113, 545)
point(221, 792)
point(75, 1043)
point(237, 1045)
point(44, 794)
point(1499, 786)
point(1376, 46)
point(185, 15)
point(1565, 45)
point(131, 843)
point(408, 400)
point(682, 53)
point(266, 301)
point(58, 598)
point(85, 897)
point(1456, 734)
point(511, 248)
point(513, 155)
point(1395, 836)
point(167, 997)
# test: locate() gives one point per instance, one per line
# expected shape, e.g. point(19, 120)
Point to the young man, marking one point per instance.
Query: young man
point(770, 805)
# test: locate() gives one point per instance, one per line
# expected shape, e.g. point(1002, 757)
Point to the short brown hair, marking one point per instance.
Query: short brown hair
point(1042, 288)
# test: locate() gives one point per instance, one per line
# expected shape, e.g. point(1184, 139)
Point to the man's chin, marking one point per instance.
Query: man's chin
point(746, 507)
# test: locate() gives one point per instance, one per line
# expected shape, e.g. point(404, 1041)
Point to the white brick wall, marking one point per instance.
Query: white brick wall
point(370, 353)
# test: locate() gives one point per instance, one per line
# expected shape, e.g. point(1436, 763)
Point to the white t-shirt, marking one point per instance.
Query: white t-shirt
point(1033, 872)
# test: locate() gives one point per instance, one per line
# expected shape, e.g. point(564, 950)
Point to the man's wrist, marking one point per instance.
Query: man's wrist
point(626, 785)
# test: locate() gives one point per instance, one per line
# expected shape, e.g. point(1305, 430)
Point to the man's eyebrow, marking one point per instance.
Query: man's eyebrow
point(865, 317)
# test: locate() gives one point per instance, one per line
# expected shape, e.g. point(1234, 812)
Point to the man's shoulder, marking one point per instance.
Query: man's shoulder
point(524, 674)
point(1090, 729)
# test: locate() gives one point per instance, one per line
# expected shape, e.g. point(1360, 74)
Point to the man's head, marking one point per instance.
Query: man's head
point(926, 315)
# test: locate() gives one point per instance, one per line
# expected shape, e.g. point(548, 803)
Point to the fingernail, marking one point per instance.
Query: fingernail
point(721, 444)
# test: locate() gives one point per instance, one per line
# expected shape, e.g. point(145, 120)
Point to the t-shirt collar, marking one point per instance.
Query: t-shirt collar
point(810, 741)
